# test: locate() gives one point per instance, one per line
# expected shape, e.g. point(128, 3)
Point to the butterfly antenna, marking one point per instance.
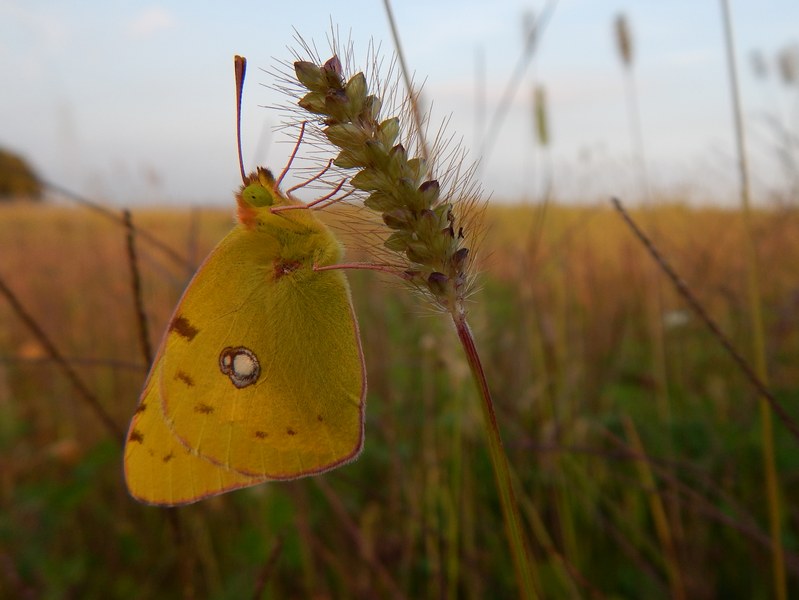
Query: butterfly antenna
point(240, 67)
point(293, 154)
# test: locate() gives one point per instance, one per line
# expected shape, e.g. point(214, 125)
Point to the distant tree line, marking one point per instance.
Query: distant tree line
point(18, 181)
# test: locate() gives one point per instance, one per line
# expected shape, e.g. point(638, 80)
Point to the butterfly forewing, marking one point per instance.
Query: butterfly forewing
point(260, 374)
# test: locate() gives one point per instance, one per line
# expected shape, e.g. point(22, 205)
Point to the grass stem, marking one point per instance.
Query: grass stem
point(658, 511)
point(83, 390)
point(756, 316)
point(136, 287)
point(525, 575)
point(683, 289)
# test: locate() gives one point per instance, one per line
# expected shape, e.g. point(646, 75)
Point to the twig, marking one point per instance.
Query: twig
point(75, 197)
point(732, 515)
point(268, 568)
point(186, 557)
point(515, 80)
point(692, 301)
point(135, 283)
point(366, 552)
point(413, 95)
point(82, 389)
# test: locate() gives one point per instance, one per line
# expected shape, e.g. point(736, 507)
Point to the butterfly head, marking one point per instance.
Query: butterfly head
point(258, 191)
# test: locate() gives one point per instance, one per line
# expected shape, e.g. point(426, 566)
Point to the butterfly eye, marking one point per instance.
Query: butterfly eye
point(257, 195)
point(241, 365)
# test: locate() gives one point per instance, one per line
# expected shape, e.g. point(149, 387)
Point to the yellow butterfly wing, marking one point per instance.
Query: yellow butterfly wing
point(159, 469)
point(260, 375)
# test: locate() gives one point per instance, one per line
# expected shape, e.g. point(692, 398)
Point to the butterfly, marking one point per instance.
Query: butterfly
point(260, 375)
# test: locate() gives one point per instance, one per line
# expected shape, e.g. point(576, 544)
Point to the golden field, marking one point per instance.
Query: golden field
point(634, 439)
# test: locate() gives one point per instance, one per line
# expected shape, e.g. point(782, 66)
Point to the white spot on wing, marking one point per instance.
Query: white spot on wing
point(240, 364)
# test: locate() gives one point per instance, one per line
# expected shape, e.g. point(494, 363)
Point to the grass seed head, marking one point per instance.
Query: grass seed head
point(624, 41)
point(422, 220)
point(541, 116)
point(788, 65)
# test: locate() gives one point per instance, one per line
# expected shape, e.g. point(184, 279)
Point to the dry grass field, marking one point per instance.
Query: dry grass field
point(634, 439)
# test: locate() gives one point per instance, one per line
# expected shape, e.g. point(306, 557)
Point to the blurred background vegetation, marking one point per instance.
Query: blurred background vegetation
point(627, 489)
point(17, 179)
point(637, 446)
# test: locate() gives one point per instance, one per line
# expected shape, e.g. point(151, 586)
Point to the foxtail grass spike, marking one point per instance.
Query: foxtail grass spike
point(423, 224)
point(624, 40)
point(541, 115)
point(788, 65)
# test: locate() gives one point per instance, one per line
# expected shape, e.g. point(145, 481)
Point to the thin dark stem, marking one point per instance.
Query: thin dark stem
point(733, 515)
point(82, 389)
point(533, 38)
point(268, 569)
point(413, 95)
point(186, 555)
point(173, 254)
point(364, 549)
point(692, 301)
point(135, 284)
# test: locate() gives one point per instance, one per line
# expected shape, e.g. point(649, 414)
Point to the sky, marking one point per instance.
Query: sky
point(133, 102)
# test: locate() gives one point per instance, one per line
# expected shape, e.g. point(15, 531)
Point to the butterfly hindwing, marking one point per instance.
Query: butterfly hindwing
point(159, 469)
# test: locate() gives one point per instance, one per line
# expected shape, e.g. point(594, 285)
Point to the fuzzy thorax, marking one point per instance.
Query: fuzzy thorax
point(302, 239)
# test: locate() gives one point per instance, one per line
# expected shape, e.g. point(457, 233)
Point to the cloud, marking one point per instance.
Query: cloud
point(150, 21)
